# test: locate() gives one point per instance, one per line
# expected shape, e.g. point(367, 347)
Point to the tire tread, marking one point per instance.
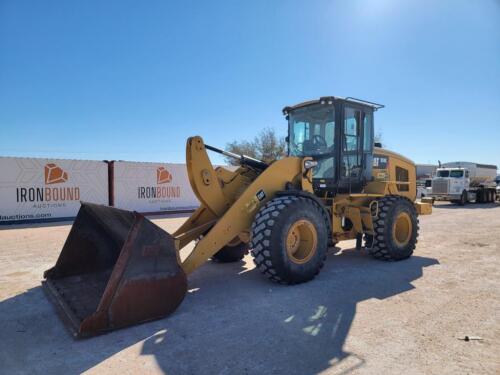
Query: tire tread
point(380, 249)
point(262, 229)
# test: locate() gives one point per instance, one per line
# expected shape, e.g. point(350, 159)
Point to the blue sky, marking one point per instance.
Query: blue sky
point(132, 80)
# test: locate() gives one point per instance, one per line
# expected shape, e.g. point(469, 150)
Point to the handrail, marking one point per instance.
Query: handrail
point(356, 100)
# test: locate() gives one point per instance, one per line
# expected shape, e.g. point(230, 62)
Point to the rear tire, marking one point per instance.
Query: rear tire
point(396, 229)
point(486, 196)
point(479, 196)
point(230, 254)
point(289, 239)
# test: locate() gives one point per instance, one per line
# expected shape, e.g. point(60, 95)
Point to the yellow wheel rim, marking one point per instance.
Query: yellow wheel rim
point(402, 230)
point(301, 241)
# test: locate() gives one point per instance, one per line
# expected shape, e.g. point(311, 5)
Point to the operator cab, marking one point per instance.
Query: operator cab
point(338, 134)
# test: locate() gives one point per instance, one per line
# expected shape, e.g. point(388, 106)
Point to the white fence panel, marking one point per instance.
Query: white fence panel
point(41, 189)
point(152, 187)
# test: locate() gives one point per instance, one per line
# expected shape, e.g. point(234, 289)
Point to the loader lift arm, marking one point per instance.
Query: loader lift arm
point(242, 159)
point(225, 212)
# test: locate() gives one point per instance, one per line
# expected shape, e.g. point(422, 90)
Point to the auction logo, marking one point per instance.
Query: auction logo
point(53, 175)
point(163, 176)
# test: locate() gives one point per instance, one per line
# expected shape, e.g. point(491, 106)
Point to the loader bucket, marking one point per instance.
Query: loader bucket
point(116, 269)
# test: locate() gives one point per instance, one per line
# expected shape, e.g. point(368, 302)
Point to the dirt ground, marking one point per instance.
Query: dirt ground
point(359, 316)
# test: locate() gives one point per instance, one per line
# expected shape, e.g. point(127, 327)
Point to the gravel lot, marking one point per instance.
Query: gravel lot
point(360, 316)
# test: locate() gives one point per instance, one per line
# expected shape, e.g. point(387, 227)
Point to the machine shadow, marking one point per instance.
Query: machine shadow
point(232, 321)
point(34, 339)
point(241, 323)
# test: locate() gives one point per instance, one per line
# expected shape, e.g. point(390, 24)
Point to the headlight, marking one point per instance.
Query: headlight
point(308, 164)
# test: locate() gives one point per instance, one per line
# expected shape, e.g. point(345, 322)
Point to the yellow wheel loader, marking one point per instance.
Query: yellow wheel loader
point(117, 268)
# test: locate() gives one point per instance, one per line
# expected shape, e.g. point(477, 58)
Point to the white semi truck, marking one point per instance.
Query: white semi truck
point(498, 187)
point(462, 182)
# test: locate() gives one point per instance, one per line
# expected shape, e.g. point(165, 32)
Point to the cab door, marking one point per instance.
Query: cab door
point(356, 136)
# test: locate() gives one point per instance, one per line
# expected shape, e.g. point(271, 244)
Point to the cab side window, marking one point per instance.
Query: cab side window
point(403, 178)
point(351, 160)
point(367, 132)
point(351, 129)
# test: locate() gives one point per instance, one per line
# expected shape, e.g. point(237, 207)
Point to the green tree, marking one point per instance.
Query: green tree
point(267, 146)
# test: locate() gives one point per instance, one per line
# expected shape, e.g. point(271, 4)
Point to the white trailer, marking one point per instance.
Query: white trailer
point(425, 170)
point(462, 182)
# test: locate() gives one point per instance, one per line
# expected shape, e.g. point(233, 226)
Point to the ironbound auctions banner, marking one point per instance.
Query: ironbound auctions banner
point(34, 189)
point(152, 187)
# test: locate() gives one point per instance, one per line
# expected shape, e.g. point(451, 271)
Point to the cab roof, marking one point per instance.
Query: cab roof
point(330, 100)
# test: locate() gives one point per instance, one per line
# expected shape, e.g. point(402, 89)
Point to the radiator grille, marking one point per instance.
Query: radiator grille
point(440, 187)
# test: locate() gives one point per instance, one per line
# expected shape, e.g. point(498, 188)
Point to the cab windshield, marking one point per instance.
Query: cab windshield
point(312, 130)
point(457, 174)
point(312, 133)
point(443, 173)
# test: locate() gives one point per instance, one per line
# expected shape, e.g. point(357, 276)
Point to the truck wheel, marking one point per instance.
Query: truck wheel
point(479, 196)
point(396, 229)
point(486, 196)
point(232, 252)
point(463, 198)
point(289, 239)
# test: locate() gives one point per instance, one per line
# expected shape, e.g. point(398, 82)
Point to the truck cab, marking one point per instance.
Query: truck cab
point(450, 183)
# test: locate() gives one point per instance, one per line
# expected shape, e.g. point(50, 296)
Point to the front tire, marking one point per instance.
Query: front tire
point(463, 198)
point(396, 229)
point(289, 239)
